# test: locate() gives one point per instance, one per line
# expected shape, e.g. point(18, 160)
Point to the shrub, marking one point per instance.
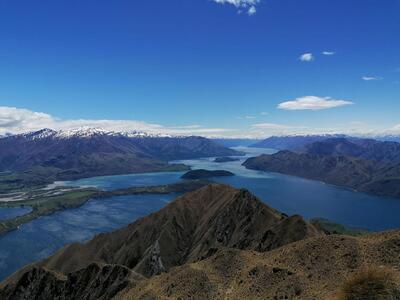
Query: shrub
point(372, 283)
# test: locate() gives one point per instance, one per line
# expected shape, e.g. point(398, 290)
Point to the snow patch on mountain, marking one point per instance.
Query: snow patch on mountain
point(86, 133)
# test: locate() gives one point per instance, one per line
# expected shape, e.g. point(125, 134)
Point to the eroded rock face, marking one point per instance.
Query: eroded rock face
point(93, 282)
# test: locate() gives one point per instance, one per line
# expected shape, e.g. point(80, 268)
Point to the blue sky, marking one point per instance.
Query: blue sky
point(197, 66)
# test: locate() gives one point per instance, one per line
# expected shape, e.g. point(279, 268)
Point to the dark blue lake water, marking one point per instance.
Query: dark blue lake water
point(9, 213)
point(41, 237)
point(38, 239)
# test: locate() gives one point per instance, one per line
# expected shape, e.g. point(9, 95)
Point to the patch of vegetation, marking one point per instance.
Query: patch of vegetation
point(372, 283)
point(329, 227)
point(25, 181)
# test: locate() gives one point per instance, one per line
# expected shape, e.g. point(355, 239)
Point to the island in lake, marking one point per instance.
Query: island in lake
point(201, 174)
point(225, 159)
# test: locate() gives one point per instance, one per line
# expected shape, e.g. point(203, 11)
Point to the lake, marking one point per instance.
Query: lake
point(12, 212)
point(40, 238)
point(291, 195)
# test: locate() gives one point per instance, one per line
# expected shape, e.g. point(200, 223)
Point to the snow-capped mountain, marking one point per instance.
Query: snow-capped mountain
point(88, 133)
point(89, 152)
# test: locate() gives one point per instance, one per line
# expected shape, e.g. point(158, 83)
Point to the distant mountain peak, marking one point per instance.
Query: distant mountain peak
point(84, 132)
point(40, 134)
point(87, 132)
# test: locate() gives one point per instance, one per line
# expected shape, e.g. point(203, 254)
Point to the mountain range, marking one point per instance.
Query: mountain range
point(291, 142)
point(363, 164)
point(298, 142)
point(66, 155)
point(368, 149)
point(213, 243)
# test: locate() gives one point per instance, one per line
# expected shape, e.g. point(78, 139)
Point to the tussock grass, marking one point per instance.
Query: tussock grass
point(371, 283)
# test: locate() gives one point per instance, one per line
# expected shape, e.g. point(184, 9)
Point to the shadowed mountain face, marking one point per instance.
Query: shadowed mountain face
point(364, 175)
point(191, 228)
point(293, 143)
point(91, 153)
point(96, 281)
point(337, 145)
point(363, 148)
point(363, 164)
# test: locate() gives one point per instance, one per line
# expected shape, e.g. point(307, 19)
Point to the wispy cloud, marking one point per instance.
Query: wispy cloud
point(247, 5)
point(371, 78)
point(263, 130)
point(270, 126)
point(313, 103)
point(248, 117)
point(264, 113)
point(396, 128)
point(18, 120)
point(306, 57)
point(252, 10)
point(328, 53)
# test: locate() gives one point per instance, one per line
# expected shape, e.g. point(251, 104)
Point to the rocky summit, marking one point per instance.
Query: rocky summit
point(192, 228)
point(214, 243)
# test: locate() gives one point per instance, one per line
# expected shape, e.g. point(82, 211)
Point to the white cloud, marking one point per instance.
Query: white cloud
point(16, 120)
point(371, 78)
point(396, 128)
point(307, 57)
point(19, 120)
point(270, 126)
point(328, 53)
point(313, 103)
point(252, 10)
point(249, 5)
point(248, 117)
point(263, 130)
point(264, 113)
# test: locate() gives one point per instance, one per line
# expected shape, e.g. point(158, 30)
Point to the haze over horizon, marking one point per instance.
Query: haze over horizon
point(216, 68)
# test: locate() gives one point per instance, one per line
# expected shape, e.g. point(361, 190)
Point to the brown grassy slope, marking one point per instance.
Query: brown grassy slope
point(314, 268)
point(371, 283)
point(191, 228)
